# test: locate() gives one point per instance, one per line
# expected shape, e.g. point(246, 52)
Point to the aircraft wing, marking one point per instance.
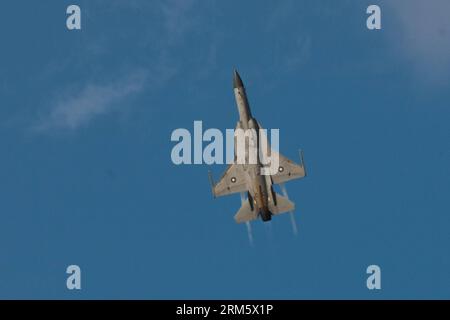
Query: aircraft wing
point(232, 181)
point(288, 170)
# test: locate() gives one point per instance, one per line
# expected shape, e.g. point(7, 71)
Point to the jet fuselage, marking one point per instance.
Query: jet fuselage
point(259, 186)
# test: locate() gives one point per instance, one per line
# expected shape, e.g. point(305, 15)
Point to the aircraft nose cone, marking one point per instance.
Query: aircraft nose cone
point(237, 81)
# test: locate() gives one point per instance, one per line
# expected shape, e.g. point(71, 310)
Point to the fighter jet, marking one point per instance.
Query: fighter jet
point(261, 199)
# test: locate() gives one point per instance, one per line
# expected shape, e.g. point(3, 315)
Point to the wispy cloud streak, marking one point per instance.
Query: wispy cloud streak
point(75, 109)
point(425, 35)
point(79, 106)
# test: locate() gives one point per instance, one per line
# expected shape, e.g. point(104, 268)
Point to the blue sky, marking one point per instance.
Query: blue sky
point(86, 175)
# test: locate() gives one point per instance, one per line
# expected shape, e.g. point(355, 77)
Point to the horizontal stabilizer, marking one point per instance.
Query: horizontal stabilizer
point(245, 213)
point(283, 204)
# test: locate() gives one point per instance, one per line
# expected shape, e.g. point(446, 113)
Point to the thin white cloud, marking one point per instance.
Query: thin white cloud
point(79, 106)
point(75, 109)
point(424, 37)
point(292, 51)
point(179, 17)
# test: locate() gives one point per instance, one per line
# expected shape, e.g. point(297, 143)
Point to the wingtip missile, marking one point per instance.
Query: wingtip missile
point(211, 181)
